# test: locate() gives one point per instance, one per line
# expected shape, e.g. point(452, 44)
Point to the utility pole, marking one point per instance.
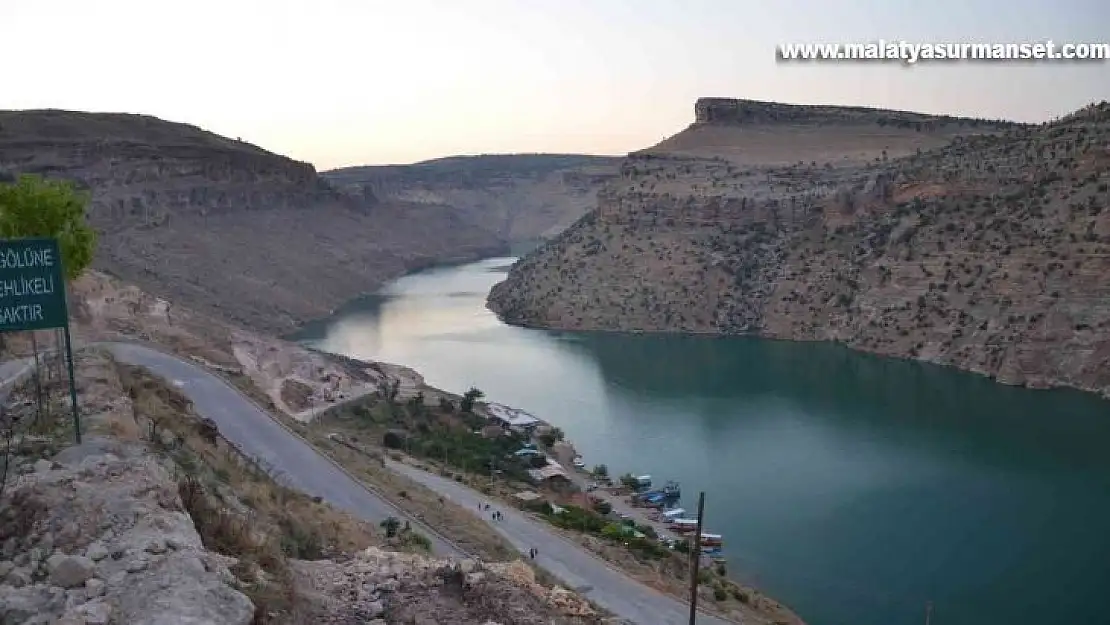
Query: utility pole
point(695, 559)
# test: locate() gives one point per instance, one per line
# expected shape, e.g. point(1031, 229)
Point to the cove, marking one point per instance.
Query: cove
point(854, 489)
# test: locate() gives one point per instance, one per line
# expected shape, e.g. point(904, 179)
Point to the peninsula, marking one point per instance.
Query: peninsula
point(978, 244)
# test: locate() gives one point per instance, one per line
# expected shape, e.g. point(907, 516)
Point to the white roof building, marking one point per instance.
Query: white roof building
point(511, 417)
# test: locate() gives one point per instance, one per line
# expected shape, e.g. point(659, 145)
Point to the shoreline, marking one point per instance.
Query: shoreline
point(413, 383)
point(1035, 385)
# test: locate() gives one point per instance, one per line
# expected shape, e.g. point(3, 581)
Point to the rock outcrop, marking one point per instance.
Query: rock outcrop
point(376, 586)
point(98, 535)
point(989, 253)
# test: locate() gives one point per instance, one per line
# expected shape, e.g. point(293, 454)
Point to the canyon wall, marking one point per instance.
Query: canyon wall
point(990, 253)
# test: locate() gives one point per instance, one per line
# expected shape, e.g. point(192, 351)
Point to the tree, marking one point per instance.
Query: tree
point(393, 440)
point(629, 481)
point(601, 470)
point(468, 399)
point(391, 525)
point(416, 404)
point(35, 207)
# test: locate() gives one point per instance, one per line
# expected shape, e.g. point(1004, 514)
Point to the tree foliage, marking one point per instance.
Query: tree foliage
point(35, 207)
point(391, 525)
point(469, 398)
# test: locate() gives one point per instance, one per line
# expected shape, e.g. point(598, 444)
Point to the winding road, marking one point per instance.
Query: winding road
point(297, 463)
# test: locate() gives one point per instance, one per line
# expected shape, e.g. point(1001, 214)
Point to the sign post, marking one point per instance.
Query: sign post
point(33, 296)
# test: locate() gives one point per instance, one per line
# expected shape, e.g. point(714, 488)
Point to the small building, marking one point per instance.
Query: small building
point(552, 474)
point(527, 496)
point(512, 418)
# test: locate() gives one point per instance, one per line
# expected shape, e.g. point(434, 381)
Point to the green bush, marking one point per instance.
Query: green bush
point(393, 440)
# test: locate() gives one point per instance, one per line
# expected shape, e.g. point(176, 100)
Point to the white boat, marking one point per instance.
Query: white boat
point(578, 462)
point(712, 540)
point(673, 514)
point(683, 525)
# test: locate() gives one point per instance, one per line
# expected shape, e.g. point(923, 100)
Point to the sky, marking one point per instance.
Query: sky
point(349, 82)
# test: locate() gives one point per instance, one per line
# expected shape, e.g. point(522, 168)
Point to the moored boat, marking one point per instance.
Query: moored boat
point(712, 540)
point(683, 525)
point(674, 513)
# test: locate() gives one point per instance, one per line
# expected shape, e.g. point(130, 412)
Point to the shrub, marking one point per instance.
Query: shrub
point(393, 440)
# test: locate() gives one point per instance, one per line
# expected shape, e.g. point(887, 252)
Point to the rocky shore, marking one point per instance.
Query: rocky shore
point(987, 253)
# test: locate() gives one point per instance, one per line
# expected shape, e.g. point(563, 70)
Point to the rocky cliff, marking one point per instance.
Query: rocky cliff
point(226, 226)
point(521, 197)
point(989, 253)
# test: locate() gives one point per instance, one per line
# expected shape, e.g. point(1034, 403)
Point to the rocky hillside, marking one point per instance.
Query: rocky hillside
point(226, 226)
point(155, 514)
point(989, 253)
point(520, 197)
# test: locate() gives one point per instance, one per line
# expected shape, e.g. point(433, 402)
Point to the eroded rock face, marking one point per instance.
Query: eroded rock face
point(989, 254)
point(406, 588)
point(103, 539)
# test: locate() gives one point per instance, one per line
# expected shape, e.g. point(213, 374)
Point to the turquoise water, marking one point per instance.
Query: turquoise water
point(852, 488)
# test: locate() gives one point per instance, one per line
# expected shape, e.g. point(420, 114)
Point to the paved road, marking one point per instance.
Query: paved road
point(300, 465)
point(256, 433)
point(574, 565)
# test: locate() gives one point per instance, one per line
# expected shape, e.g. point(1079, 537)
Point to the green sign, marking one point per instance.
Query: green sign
point(32, 285)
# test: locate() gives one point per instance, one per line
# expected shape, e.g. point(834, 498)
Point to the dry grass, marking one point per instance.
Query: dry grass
point(238, 509)
point(461, 526)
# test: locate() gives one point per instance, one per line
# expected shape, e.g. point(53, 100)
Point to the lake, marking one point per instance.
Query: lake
point(854, 489)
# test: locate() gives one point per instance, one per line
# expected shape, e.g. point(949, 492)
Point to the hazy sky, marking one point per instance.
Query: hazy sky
point(342, 82)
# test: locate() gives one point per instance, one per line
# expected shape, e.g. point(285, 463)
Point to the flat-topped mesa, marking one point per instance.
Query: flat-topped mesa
point(751, 133)
point(734, 111)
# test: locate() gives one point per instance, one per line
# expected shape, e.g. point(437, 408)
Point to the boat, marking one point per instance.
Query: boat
point(683, 525)
point(578, 462)
point(674, 513)
point(643, 481)
point(670, 493)
point(712, 540)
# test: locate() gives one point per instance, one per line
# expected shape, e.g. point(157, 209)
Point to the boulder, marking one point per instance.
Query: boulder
point(70, 571)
